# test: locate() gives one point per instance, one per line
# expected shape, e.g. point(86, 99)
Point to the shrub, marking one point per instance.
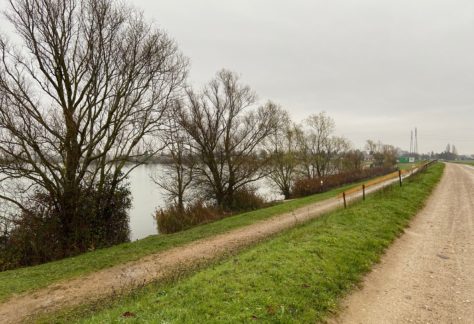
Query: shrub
point(174, 219)
point(246, 199)
point(34, 238)
point(39, 234)
point(311, 186)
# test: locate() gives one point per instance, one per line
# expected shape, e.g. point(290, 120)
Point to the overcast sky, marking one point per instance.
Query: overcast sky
point(378, 67)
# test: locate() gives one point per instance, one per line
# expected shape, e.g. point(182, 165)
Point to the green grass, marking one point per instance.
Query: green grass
point(405, 166)
point(469, 162)
point(32, 278)
point(297, 276)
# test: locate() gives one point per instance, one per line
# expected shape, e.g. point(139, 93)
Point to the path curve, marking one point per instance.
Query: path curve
point(158, 266)
point(426, 276)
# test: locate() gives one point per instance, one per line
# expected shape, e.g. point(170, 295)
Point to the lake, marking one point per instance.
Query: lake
point(147, 197)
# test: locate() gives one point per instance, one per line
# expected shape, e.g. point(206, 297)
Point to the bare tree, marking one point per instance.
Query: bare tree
point(371, 146)
point(353, 160)
point(454, 150)
point(383, 155)
point(318, 147)
point(336, 148)
point(390, 154)
point(178, 174)
point(283, 152)
point(448, 148)
point(79, 97)
point(227, 132)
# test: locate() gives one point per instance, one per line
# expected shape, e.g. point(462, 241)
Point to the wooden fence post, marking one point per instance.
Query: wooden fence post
point(344, 197)
point(400, 177)
point(363, 192)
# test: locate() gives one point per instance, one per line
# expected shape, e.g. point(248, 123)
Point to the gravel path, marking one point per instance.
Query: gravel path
point(427, 276)
point(158, 266)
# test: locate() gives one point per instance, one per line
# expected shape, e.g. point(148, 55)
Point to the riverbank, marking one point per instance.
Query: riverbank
point(298, 276)
point(27, 280)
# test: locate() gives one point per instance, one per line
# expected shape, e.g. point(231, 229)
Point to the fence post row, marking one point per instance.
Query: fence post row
point(419, 169)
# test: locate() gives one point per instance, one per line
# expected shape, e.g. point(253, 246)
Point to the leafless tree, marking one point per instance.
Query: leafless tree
point(227, 131)
point(319, 147)
point(177, 176)
point(352, 160)
point(336, 147)
point(454, 150)
point(283, 152)
point(383, 155)
point(448, 148)
point(371, 146)
point(390, 154)
point(81, 93)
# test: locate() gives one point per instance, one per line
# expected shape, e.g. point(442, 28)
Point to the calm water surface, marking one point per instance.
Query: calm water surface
point(147, 197)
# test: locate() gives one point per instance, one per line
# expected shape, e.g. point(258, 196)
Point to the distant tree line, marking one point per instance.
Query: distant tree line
point(450, 153)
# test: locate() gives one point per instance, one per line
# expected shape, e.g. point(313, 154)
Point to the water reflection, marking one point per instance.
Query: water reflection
point(147, 196)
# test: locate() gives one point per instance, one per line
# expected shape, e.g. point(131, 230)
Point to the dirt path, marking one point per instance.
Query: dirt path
point(154, 267)
point(427, 276)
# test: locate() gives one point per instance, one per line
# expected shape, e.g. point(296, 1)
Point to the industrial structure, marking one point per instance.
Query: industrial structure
point(414, 142)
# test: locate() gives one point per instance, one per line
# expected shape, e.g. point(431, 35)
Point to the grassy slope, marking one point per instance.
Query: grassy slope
point(298, 276)
point(32, 278)
point(406, 166)
point(464, 162)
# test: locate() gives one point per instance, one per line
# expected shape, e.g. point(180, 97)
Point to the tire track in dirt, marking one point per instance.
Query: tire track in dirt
point(427, 275)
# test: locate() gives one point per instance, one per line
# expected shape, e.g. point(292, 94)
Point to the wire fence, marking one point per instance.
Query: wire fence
point(400, 174)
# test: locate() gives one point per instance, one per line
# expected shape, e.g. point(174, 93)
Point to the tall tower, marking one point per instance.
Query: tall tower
point(416, 141)
point(411, 142)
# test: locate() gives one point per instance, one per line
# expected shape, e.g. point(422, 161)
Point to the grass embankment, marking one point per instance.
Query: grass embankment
point(32, 278)
point(298, 276)
point(471, 163)
point(407, 166)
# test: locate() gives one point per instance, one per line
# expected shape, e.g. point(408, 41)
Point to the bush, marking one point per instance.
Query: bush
point(246, 199)
point(41, 234)
point(311, 186)
point(174, 219)
point(35, 237)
